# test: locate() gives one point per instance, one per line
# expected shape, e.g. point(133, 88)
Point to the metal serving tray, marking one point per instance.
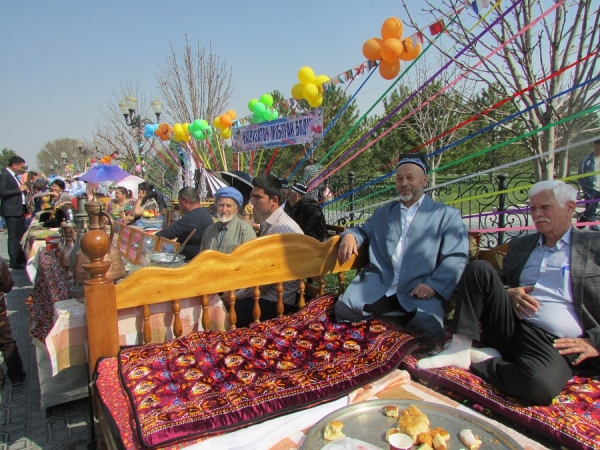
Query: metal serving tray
point(367, 421)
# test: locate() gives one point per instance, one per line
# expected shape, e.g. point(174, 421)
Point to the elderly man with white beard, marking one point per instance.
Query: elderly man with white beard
point(541, 314)
point(230, 231)
point(418, 249)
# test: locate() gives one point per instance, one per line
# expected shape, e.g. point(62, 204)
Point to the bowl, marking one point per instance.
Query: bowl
point(166, 259)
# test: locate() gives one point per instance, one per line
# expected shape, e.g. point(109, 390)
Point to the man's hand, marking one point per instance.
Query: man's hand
point(524, 305)
point(423, 291)
point(583, 346)
point(23, 187)
point(348, 247)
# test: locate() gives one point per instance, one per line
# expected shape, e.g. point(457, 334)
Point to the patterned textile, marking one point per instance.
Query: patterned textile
point(207, 383)
point(573, 419)
point(52, 284)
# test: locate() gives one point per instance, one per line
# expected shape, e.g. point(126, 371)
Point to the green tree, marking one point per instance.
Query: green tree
point(59, 153)
point(5, 156)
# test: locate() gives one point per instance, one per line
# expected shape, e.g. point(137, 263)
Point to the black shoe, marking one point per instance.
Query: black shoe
point(19, 381)
point(17, 266)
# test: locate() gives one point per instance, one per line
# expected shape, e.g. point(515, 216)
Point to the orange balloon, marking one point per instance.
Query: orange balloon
point(225, 120)
point(391, 28)
point(388, 70)
point(391, 49)
point(372, 49)
point(410, 52)
point(231, 113)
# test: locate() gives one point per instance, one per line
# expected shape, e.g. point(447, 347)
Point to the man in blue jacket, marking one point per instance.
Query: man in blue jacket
point(418, 249)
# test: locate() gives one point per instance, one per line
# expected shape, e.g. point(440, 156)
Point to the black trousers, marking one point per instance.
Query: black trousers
point(9, 349)
point(16, 229)
point(268, 310)
point(530, 369)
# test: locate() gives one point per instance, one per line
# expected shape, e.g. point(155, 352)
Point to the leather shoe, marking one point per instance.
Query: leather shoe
point(19, 381)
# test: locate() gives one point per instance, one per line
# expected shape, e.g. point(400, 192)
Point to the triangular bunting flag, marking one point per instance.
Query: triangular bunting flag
point(436, 28)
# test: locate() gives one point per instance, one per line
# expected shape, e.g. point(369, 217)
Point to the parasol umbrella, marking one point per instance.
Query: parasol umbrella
point(103, 172)
point(130, 182)
point(239, 180)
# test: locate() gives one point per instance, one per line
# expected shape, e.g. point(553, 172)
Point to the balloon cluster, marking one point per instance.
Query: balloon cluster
point(200, 129)
point(262, 110)
point(106, 159)
point(310, 87)
point(149, 130)
point(224, 122)
point(390, 49)
point(164, 132)
point(181, 133)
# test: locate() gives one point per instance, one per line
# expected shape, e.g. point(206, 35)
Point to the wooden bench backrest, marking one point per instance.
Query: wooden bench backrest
point(265, 260)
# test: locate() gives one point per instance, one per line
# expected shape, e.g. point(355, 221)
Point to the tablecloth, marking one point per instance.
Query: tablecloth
point(52, 284)
point(67, 339)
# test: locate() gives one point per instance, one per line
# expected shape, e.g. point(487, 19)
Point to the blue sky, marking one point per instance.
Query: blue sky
point(62, 59)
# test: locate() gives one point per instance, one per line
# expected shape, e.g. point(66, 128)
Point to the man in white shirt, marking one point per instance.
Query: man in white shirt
point(418, 249)
point(266, 199)
point(541, 314)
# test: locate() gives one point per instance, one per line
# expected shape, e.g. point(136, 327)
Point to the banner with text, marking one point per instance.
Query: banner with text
point(282, 132)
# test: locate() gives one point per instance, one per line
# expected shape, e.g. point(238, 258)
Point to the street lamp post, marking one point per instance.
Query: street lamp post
point(128, 106)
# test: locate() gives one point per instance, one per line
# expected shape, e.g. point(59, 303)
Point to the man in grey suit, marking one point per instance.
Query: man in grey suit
point(418, 249)
point(230, 231)
point(541, 314)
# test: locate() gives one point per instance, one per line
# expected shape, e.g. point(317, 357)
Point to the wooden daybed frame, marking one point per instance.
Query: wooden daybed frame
point(265, 260)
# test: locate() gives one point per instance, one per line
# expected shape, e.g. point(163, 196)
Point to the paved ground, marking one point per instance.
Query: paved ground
point(22, 424)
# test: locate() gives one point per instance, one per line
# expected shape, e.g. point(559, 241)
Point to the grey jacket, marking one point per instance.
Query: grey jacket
point(585, 275)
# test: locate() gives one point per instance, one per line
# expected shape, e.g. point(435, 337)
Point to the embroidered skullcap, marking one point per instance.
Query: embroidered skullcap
point(284, 183)
point(230, 192)
point(414, 158)
point(300, 188)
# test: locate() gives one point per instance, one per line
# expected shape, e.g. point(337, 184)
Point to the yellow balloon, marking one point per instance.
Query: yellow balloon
point(310, 92)
point(226, 133)
point(177, 128)
point(316, 102)
point(297, 91)
point(306, 75)
point(217, 123)
point(319, 80)
point(185, 127)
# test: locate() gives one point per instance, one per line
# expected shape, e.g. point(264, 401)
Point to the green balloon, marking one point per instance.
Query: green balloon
point(259, 109)
point(251, 104)
point(256, 119)
point(203, 124)
point(267, 114)
point(274, 114)
point(198, 134)
point(267, 100)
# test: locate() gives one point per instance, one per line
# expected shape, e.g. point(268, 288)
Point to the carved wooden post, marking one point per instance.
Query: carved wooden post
point(100, 296)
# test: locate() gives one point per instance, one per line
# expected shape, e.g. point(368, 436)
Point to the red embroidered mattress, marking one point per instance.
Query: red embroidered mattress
point(572, 420)
point(209, 383)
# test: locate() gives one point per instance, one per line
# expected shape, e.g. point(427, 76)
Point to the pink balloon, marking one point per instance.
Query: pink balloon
point(138, 168)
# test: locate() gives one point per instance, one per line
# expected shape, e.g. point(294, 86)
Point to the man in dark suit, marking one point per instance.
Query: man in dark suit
point(12, 194)
point(541, 314)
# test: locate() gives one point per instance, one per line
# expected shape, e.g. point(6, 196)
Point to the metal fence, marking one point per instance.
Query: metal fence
point(485, 202)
